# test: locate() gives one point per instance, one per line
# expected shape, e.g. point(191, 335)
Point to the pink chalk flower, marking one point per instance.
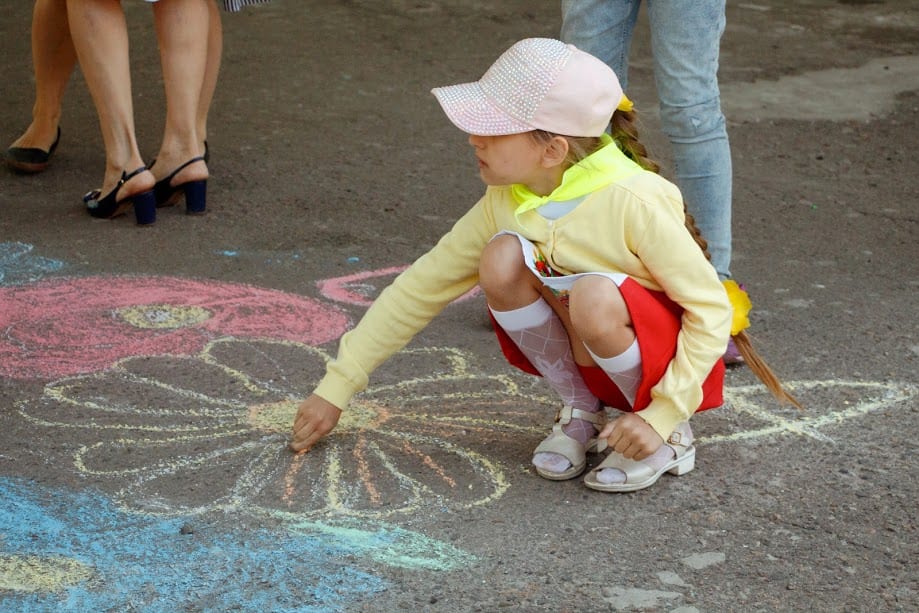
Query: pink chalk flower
point(69, 326)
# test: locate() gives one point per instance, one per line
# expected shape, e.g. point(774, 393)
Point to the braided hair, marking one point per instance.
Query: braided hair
point(624, 133)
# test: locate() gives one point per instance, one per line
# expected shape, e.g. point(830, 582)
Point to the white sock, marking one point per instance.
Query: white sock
point(624, 369)
point(656, 460)
point(543, 339)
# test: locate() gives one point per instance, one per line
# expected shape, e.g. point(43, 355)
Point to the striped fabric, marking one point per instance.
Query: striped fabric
point(235, 5)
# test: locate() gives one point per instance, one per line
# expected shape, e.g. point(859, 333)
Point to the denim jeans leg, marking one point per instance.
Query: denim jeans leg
point(685, 38)
point(602, 28)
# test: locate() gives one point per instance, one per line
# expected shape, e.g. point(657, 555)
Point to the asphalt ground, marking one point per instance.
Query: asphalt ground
point(148, 375)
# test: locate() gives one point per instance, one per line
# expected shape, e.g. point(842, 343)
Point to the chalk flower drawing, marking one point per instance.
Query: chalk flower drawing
point(208, 432)
point(757, 416)
point(362, 288)
point(68, 326)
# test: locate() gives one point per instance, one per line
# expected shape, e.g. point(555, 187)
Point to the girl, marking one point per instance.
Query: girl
point(592, 279)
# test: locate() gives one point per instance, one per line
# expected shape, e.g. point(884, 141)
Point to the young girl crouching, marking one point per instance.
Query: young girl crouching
point(594, 276)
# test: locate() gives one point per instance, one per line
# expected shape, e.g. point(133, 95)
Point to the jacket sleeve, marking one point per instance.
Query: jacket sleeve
point(679, 266)
point(406, 306)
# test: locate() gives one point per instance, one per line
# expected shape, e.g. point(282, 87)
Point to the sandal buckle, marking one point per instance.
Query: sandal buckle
point(679, 439)
point(564, 415)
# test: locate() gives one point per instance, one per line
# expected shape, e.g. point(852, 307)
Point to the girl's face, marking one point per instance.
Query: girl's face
point(515, 158)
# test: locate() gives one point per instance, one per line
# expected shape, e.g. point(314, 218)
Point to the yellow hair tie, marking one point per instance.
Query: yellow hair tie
point(741, 305)
point(625, 104)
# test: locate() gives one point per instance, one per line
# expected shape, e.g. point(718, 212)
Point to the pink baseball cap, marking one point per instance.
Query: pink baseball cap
point(537, 84)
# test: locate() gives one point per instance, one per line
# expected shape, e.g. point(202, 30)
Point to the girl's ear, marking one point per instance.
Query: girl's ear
point(556, 152)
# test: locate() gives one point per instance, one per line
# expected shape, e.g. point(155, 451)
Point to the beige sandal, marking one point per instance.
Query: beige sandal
point(560, 443)
point(639, 475)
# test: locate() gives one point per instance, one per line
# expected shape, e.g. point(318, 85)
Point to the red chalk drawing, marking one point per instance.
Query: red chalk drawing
point(69, 326)
point(359, 289)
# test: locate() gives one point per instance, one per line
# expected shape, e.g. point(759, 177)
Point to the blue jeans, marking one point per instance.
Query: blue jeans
point(685, 43)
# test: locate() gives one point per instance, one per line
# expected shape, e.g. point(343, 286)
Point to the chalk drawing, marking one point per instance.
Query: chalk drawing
point(34, 573)
point(19, 265)
point(358, 289)
point(361, 288)
point(67, 326)
point(839, 401)
point(62, 550)
point(155, 430)
point(178, 398)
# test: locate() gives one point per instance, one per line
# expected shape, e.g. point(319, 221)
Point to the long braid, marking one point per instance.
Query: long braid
point(625, 133)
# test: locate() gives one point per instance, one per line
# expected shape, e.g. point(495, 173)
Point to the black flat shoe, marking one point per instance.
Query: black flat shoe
point(30, 160)
point(195, 191)
point(109, 206)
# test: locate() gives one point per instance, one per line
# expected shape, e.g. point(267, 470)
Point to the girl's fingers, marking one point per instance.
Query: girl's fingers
point(304, 439)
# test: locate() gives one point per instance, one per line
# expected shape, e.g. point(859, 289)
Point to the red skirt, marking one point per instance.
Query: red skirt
point(656, 321)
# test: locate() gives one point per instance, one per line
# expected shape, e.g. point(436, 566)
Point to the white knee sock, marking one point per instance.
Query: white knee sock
point(541, 336)
point(624, 369)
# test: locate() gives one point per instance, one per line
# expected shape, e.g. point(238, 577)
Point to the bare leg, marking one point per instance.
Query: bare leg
point(507, 283)
point(53, 59)
point(600, 316)
point(182, 34)
point(212, 69)
point(100, 37)
point(603, 323)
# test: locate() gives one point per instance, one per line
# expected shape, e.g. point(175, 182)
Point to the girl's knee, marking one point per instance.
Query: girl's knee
point(504, 277)
point(501, 263)
point(597, 308)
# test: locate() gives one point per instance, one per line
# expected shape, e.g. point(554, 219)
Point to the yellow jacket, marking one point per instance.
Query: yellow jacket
point(635, 227)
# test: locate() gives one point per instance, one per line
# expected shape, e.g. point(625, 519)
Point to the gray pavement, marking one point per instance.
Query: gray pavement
point(148, 375)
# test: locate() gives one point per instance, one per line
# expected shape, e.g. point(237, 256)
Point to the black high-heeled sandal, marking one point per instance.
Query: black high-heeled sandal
point(109, 206)
point(207, 156)
point(195, 191)
point(30, 160)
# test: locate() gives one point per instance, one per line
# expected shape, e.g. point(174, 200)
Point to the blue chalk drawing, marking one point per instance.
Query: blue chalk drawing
point(72, 551)
point(18, 265)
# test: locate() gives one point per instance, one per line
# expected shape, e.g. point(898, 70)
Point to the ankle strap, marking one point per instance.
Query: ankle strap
point(127, 176)
point(168, 180)
point(567, 413)
point(678, 439)
point(200, 158)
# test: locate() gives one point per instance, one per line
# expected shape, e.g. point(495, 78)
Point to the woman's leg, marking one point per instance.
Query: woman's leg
point(182, 33)
point(100, 36)
point(53, 59)
point(212, 68)
point(602, 28)
point(686, 43)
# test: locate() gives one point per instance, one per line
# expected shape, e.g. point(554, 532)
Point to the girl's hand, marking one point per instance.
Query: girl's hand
point(315, 418)
point(632, 437)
